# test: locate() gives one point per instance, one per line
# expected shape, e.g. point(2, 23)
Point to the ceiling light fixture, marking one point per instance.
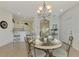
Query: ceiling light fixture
point(44, 11)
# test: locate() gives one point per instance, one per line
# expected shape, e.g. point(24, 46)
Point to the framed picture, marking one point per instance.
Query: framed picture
point(3, 24)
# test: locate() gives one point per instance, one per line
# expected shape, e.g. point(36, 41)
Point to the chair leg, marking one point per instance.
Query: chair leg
point(68, 51)
point(68, 54)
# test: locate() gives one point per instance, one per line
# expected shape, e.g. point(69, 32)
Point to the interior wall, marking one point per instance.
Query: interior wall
point(70, 22)
point(6, 35)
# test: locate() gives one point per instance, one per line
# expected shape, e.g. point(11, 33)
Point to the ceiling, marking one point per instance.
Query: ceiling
point(29, 8)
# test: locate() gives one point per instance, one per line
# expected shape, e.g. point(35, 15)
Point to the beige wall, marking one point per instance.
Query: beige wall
point(6, 35)
point(70, 21)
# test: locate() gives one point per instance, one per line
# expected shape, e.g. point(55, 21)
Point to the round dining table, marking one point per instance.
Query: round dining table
point(48, 49)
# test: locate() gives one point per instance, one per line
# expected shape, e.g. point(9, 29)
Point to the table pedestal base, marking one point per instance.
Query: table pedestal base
point(49, 53)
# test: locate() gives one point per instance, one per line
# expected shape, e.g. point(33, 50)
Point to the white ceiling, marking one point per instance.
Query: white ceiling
point(28, 9)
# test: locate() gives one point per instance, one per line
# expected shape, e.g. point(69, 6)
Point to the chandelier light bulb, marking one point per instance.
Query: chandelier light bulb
point(38, 11)
point(48, 7)
point(40, 8)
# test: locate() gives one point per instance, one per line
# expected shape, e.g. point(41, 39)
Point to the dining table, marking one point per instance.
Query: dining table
point(48, 48)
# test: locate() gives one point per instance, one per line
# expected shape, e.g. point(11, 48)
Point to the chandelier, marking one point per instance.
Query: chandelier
point(44, 11)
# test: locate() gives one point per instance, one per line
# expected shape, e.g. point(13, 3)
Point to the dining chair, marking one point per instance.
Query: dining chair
point(28, 47)
point(64, 51)
point(31, 50)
